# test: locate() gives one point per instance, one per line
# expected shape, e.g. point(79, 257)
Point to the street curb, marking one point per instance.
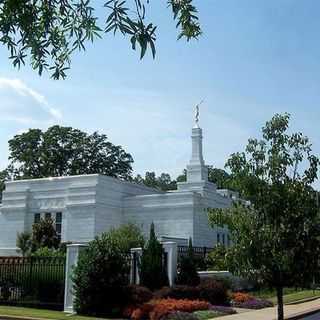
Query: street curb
point(299, 316)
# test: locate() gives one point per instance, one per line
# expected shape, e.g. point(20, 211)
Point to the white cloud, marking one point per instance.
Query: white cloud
point(20, 88)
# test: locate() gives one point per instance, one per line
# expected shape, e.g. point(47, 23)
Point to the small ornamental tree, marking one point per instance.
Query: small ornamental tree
point(216, 259)
point(44, 235)
point(276, 237)
point(152, 269)
point(102, 273)
point(24, 243)
point(188, 274)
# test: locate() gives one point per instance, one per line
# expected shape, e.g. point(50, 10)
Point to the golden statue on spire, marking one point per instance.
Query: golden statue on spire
point(197, 114)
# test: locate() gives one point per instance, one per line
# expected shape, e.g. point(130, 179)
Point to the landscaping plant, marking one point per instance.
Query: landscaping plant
point(188, 274)
point(152, 268)
point(100, 278)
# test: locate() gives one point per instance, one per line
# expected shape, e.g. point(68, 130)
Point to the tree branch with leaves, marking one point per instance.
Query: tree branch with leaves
point(49, 31)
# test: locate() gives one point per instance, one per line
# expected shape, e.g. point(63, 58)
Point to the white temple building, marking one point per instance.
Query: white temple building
point(83, 207)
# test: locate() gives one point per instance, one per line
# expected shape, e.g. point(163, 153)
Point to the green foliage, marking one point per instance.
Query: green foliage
point(127, 236)
point(48, 252)
point(4, 176)
point(152, 270)
point(163, 182)
point(282, 226)
point(62, 151)
point(44, 235)
point(216, 259)
point(48, 32)
point(100, 277)
point(24, 242)
point(188, 274)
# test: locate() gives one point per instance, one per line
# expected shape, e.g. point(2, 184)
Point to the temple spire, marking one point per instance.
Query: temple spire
point(197, 171)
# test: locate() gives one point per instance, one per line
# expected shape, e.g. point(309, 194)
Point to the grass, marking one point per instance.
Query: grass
point(208, 314)
point(290, 295)
point(39, 313)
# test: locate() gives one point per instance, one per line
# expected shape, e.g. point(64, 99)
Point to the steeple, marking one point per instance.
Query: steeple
point(197, 171)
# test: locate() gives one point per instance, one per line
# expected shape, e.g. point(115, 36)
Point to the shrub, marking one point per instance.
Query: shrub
point(216, 259)
point(137, 295)
point(188, 274)
point(157, 309)
point(213, 291)
point(152, 270)
point(44, 235)
point(100, 278)
point(178, 292)
point(128, 236)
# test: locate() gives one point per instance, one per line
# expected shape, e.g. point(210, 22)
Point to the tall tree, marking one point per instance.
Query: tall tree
point(62, 151)
point(4, 176)
point(273, 237)
point(163, 182)
point(48, 32)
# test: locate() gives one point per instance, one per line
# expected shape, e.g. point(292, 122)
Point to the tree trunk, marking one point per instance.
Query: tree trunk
point(280, 303)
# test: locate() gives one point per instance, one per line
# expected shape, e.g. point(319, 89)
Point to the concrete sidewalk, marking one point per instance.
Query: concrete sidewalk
point(271, 313)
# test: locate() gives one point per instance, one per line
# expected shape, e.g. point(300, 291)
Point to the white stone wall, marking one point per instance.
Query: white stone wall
point(172, 213)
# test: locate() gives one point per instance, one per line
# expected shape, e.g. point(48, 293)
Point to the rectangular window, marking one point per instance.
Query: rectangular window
point(228, 241)
point(223, 239)
point(58, 223)
point(218, 238)
point(47, 215)
point(37, 217)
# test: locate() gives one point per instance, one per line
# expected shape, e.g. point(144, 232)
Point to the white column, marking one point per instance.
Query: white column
point(171, 248)
point(134, 268)
point(73, 251)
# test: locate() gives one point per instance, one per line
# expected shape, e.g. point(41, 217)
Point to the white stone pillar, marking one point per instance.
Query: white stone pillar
point(134, 268)
point(171, 248)
point(73, 251)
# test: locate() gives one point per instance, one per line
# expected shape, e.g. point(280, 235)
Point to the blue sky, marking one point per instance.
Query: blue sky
point(254, 59)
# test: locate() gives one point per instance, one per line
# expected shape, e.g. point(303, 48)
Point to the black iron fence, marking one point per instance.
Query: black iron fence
point(32, 281)
point(200, 255)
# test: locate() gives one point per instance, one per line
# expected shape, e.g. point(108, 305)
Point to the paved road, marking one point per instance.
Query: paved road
point(271, 313)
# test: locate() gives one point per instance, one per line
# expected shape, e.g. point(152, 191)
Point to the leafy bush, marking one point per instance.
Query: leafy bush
point(178, 292)
point(138, 295)
point(100, 278)
point(48, 252)
point(188, 274)
point(44, 235)
point(128, 236)
point(157, 309)
point(216, 259)
point(24, 243)
point(213, 291)
point(152, 270)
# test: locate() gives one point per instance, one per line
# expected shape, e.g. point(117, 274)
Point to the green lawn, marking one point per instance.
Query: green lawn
point(39, 313)
point(290, 295)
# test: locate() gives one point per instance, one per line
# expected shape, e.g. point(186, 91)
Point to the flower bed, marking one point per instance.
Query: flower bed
point(157, 309)
point(244, 300)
